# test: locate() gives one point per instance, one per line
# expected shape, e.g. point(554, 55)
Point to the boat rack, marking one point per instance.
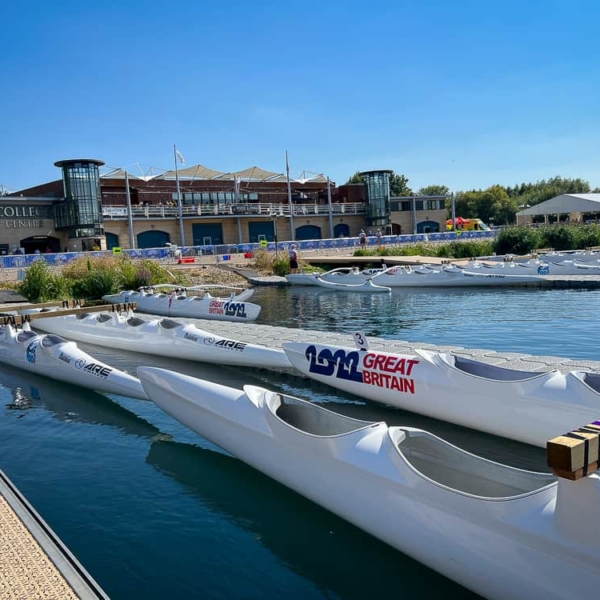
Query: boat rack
point(65, 307)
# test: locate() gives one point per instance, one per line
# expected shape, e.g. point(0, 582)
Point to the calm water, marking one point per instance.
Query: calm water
point(154, 511)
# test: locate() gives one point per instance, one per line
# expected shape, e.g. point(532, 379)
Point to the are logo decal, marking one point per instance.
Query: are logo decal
point(80, 362)
point(98, 370)
point(231, 345)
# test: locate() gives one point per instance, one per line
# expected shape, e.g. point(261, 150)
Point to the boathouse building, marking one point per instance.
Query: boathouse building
point(198, 206)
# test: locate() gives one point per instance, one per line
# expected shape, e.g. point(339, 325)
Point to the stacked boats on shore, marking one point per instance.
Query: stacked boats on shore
point(424, 276)
point(480, 273)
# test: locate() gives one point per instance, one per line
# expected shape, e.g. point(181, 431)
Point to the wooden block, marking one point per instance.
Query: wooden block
point(572, 451)
point(595, 426)
point(575, 475)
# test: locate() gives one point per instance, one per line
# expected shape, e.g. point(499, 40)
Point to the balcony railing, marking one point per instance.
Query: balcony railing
point(155, 211)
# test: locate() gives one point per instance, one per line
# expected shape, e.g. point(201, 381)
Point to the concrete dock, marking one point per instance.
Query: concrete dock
point(34, 563)
point(274, 337)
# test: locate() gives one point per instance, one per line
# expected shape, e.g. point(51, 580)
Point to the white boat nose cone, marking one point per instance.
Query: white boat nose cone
point(151, 375)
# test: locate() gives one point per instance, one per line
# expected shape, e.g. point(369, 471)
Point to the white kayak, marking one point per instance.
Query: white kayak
point(368, 286)
point(502, 532)
point(177, 304)
point(55, 357)
point(529, 407)
point(164, 337)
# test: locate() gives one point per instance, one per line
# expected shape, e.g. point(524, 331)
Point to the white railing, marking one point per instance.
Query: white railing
point(156, 211)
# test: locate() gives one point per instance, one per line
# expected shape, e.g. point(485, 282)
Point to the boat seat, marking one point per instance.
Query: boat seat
point(135, 321)
point(51, 339)
point(463, 472)
point(23, 336)
point(103, 318)
point(170, 324)
point(492, 372)
point(314, 420)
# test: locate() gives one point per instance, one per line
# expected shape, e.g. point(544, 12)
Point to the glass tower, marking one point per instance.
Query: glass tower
point(377, 184)
point(81, 212)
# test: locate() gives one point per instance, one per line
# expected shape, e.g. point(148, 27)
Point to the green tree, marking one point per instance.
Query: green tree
point(356, 178)
point(492, 205)
point(534, 193)
point(434, 190)
point(399, 185)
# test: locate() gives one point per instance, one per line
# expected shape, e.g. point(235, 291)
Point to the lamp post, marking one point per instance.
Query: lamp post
point(274, 217)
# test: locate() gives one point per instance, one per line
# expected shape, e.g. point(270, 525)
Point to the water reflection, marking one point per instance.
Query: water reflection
point(513, 320)
point(72, 403)
point(334, 555)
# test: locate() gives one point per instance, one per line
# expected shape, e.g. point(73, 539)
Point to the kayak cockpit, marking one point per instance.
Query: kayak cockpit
point(479, 369)
point(24, 336)
point(170, 324)
point(312, 419)
point(451, 467)
point(50, 340)
point(135, 322)
point(592, 380)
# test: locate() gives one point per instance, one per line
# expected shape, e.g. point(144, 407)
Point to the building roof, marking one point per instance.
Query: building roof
point(251, 174)
point(195, 172)
point(120, 174)
point(565, 203)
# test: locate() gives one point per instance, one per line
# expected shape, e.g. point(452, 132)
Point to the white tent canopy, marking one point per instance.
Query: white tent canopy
point(565, 204)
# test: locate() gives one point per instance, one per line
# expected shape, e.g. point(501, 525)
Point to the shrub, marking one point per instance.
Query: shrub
point(560, 237)
point(281, 265)
point(263, 260)
point(517, 240)
point(96, 284)
point(41, 285)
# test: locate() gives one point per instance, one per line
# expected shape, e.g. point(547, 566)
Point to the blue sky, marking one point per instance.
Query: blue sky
point(462, 93)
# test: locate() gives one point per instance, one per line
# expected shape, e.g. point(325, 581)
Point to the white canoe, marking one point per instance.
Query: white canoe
point(532, 267)
point(55, 357)
point(350, 275)
point(182, 305)
point(368, 287)
point(502, 532)
point(530, 407)
point(577, 255)
point(163, 337)
point(228, 292)
point(449, 276)
point(573, 267)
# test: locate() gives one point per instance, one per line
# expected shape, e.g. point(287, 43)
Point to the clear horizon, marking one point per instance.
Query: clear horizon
point(464, 94)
